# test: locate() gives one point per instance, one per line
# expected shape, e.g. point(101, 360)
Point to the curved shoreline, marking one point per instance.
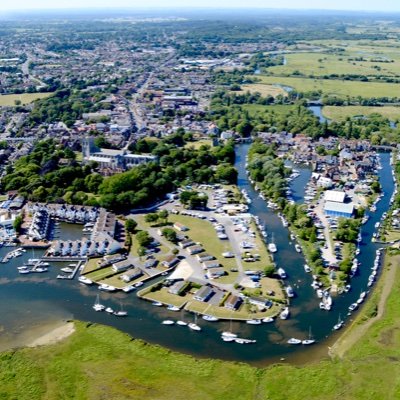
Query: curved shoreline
point(54, 336)
point(356, 330)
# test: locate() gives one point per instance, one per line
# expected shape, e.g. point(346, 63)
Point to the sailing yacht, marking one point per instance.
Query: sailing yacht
point(309, 340)
point(97, 306)
point(339, 324)
point(121, 312)
point(193, 325)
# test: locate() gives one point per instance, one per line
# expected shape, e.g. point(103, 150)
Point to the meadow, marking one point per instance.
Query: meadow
point(337, 113)
point(334, 87)
point(8, 100)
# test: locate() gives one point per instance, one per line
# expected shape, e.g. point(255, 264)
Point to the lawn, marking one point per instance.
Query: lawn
point(198, 143)
point(264, 90)
point(337, 113)
point(335, 87)
point(25, 98)
point(99, 362)
point(278, 109)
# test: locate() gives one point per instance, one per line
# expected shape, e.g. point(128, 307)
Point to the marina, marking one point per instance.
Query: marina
point(65, 299)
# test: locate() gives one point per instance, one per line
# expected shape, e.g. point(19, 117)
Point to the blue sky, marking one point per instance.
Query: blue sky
point(365, 5)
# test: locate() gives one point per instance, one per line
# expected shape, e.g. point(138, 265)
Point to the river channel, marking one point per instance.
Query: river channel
point(30, 303)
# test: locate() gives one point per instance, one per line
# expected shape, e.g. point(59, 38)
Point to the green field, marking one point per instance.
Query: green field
point(264, 90)
point(278, 109)
point(25, 98)
point(341, 113)
point(99, 362)
point(335, 87)
point(319, 64)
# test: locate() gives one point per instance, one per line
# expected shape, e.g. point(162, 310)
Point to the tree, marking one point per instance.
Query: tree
point(151, 218)
point(144, 239)
point(170, 235)
point(163, 216)
point(130, 225)
point(17, 225)
point(269, 271)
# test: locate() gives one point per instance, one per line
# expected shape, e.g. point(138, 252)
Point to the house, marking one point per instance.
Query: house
point(131, 274)
point(170, 261)
point(215, 273)
point(180, 227)
point(185, 243)
point(205, 257)
point(121, 266)
point(233, 302)
point(259, 302)
point(211, 264)
point(194, 249)
point(204, 294)
point(178, 287)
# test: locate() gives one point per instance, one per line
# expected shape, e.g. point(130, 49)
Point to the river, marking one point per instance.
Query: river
point(30, 303)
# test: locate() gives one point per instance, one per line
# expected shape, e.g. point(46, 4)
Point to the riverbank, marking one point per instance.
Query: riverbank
point(373, 310)
point(56, 335)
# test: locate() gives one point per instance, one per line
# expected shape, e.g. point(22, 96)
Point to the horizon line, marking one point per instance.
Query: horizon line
point(183, 8)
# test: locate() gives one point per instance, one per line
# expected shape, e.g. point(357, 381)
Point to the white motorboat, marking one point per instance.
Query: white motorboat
point(67, 270)
point(272, 248)
point(289, 291)
point(227, 339)
point(254, 321)
point(227, 334)
point(282, 273)
point(128, 289)
point(268, 320)
point(107, 288)
point(297, 247)
point(294, 341)
point(244, 341)
point(24, 271)
point(86, 281)
point(168, 322)
point(173, 308)
point(181, 323)
point(39, 269)
point(284, 313)
point(210, 318)
point(109, 310)
point(194, 327)
point(156, 304)
point(307, 268)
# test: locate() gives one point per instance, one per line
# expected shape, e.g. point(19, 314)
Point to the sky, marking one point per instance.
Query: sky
point(364, 5)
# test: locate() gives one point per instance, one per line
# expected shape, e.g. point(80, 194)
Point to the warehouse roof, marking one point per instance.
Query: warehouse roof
point(339, 207)
point(335, 195)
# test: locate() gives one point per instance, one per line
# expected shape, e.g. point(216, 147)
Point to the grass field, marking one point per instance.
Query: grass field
point(99, 362)
point(25, 98)
point(319, 64)
point(264, 90)
point(341, 113)
point(278, 109)
point(198, 143)
point(335, 87)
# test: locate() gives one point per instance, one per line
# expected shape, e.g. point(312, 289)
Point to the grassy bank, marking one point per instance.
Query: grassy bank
point(98, 362)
